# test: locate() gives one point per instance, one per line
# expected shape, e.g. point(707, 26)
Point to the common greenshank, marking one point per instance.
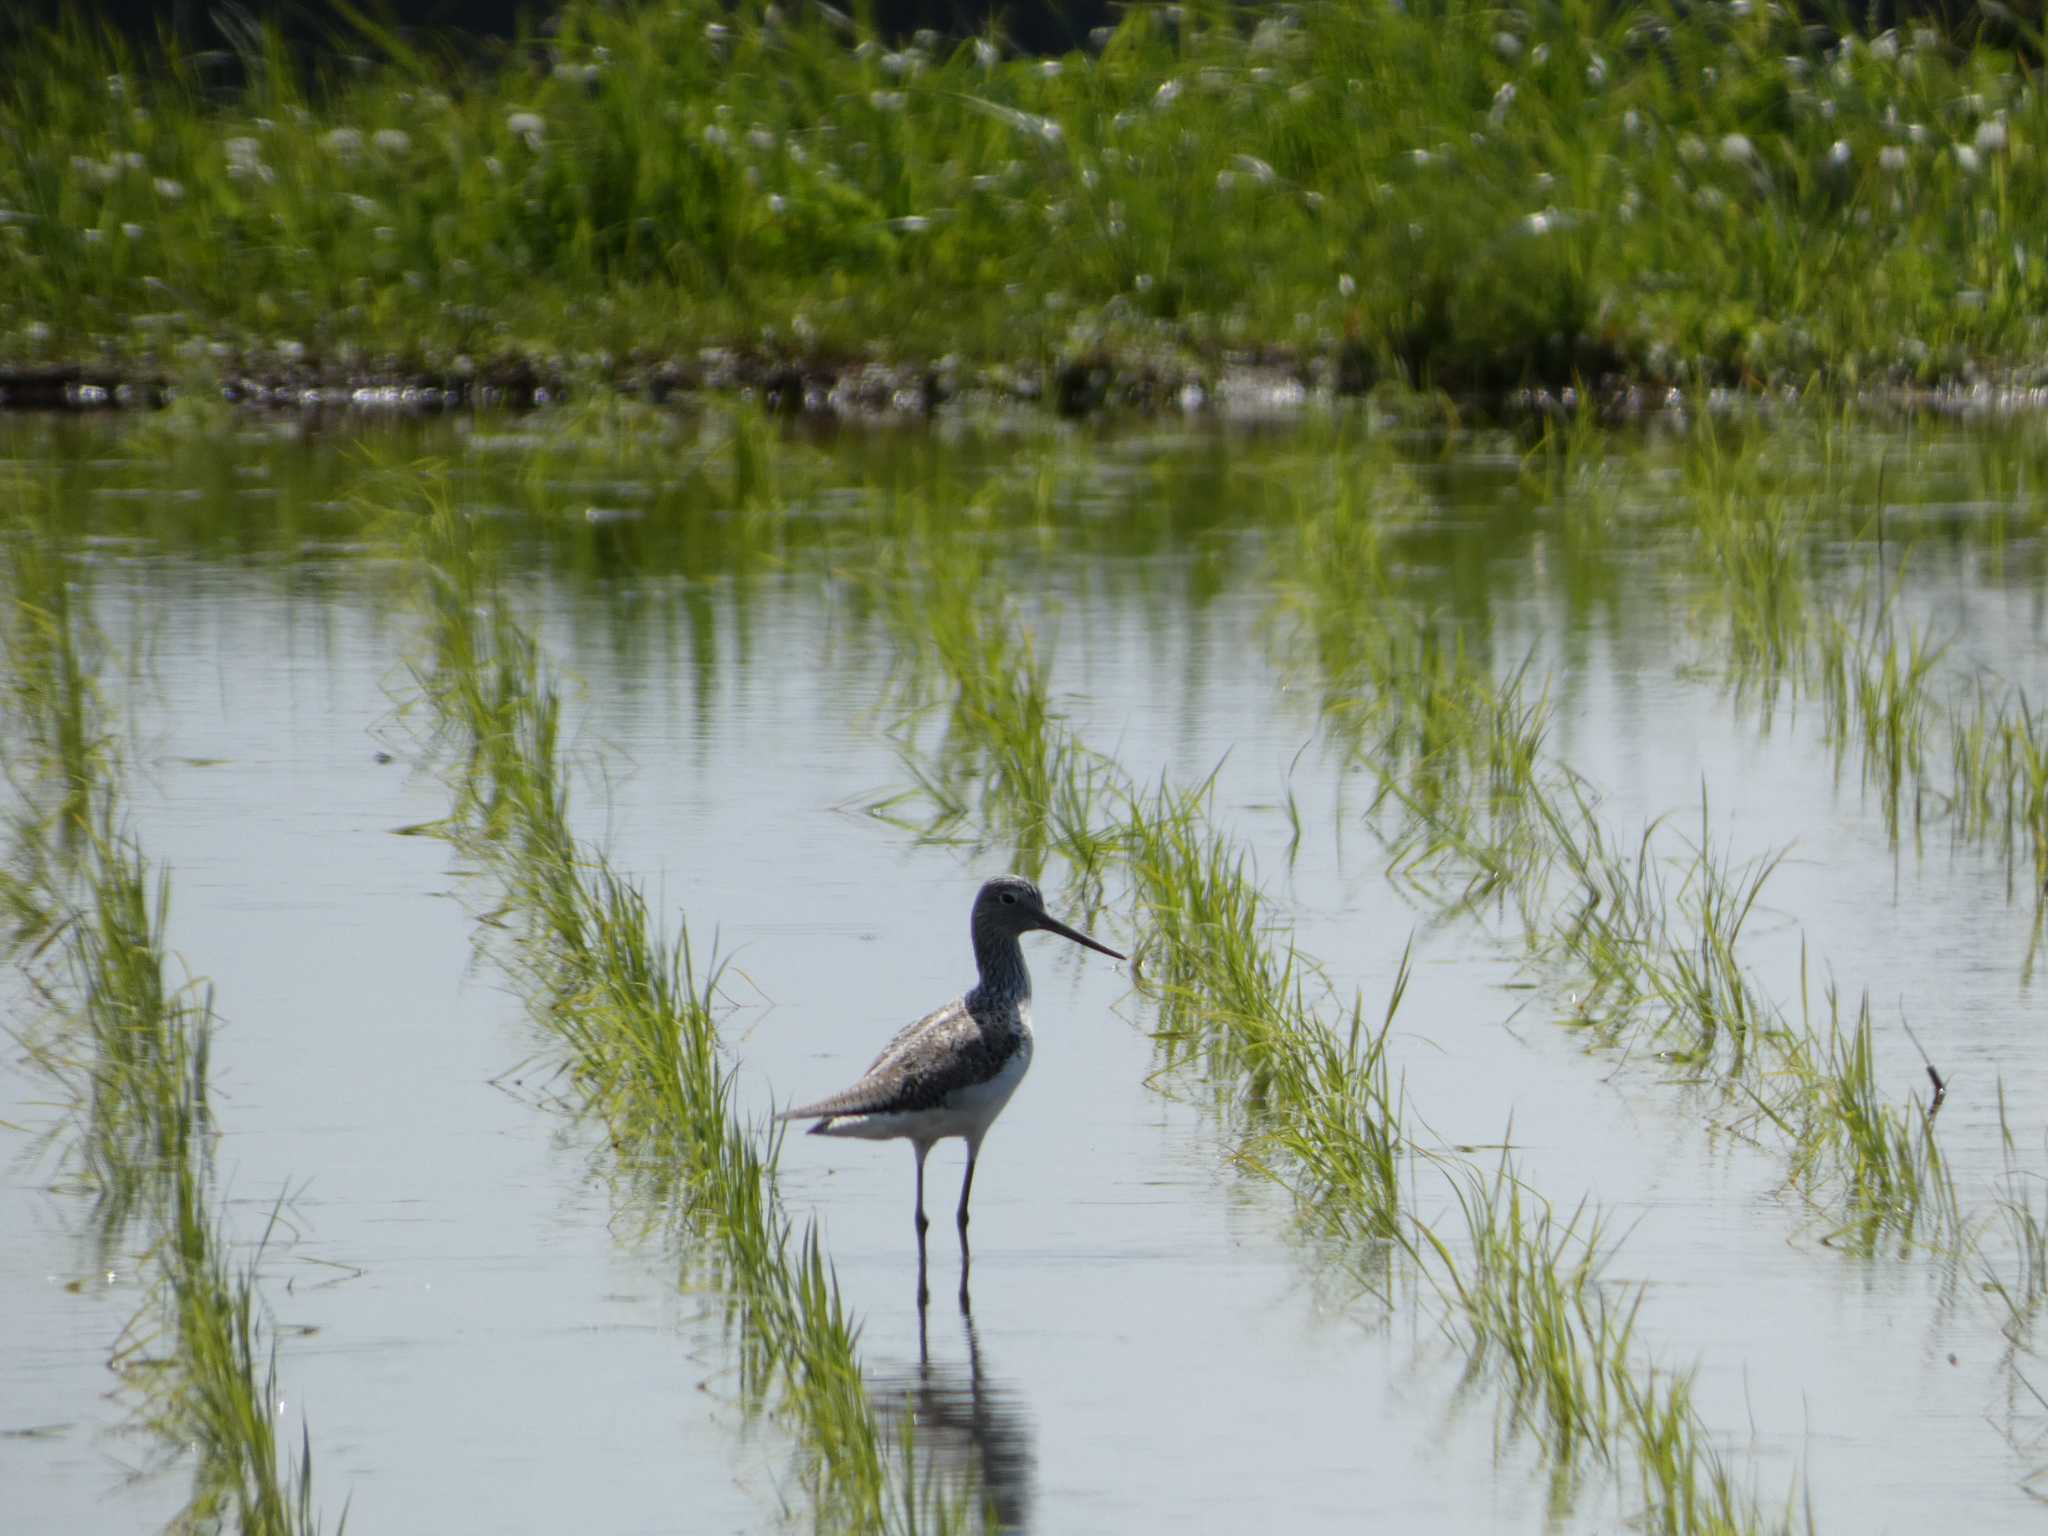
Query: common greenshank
point(951, 1073)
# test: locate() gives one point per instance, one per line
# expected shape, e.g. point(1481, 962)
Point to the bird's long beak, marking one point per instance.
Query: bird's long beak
point(1051, 925)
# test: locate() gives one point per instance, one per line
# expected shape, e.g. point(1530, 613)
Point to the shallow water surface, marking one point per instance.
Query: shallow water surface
point(480, 1329)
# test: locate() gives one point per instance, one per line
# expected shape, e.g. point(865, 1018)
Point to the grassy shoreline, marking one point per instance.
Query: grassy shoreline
point(1453, 197)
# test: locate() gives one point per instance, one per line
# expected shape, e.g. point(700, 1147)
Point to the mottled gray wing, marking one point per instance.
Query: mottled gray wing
point(934, 1021)
point(939, 1054)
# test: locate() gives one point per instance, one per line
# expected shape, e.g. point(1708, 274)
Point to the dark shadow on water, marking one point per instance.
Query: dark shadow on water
point(969, 1429)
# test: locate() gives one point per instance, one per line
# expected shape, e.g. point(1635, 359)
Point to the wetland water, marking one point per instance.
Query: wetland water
point(479, 1327)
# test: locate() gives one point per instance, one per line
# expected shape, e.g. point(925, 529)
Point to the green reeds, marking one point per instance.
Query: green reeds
point(134, 1050)
point(1895, 1179)
point(1453, 749)
point(1877, 692)
point(61, 753)
point(1033, 784)
point(1529, 1302)
point(637, 1032)
point(1766, 513)
point(1651, 938)
point(1755, 540)
point(1999, 779)
point(1312, 1100)
point(2023, 1212)
point(1738, 199)
point(218, 1392)
point(144, 1077)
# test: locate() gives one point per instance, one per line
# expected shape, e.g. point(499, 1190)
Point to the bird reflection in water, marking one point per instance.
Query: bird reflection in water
point(968, 1431)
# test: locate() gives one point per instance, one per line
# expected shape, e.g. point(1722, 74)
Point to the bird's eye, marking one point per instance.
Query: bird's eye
point(1010, 898)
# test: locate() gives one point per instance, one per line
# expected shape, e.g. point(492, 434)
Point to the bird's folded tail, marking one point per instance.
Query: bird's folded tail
point(852, 1102)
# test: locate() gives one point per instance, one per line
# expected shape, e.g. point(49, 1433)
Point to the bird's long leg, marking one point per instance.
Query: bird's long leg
point(921, 1148)
point(960, 1218)
point(967, 1188)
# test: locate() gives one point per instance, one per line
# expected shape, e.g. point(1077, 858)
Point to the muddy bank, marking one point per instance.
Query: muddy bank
point(1273, 382)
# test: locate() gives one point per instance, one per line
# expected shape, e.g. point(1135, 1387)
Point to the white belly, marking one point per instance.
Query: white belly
point(975, 1109)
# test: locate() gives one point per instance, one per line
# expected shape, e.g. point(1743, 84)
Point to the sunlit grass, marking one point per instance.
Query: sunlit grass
point(1650, 934)
point(220, 1393)
point(2023, 1212)
point(1001, 742)
point(133, 1050)
point(1773, 512)
point(61, 753)
point(1530, 1302)
point(1896, 1179)
point(1454, 751)
point(1453, 194)
point(1313, 1098)
point(1876, 688)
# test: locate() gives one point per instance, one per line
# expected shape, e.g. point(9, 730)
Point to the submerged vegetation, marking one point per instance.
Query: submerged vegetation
point(1451, 195)
point(132, 1050)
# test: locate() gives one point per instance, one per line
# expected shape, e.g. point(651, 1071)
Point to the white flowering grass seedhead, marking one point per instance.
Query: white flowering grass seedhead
point(700, 171)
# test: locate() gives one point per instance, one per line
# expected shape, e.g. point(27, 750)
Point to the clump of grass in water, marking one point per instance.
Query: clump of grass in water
point(1895, 1177)
point(1670, 967)
point(1529, 1298)
point(1754, 539)
point(1761, 523)
point(1317, 1106)
point(1648, 950)
point(218, 1394)
point(1034, 784)
point(61, 753)
point(1879, 694)
point(2024, 1213)
point(1999, 773)
point(639, 1030)
point(144, 1076)
point(1660, 957)
point(1875, 678)
point(135, 1053)
point(1453, 752)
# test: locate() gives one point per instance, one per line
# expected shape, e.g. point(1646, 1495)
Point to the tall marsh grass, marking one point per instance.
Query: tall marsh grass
point(1460, 195)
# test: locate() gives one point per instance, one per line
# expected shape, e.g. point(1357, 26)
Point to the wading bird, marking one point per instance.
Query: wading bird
point(951, 1073)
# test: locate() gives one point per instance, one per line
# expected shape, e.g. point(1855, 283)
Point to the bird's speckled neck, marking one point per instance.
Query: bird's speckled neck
point(1000, 959)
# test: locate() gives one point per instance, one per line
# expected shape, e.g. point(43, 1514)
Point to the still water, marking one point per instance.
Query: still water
point(478, 1334)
